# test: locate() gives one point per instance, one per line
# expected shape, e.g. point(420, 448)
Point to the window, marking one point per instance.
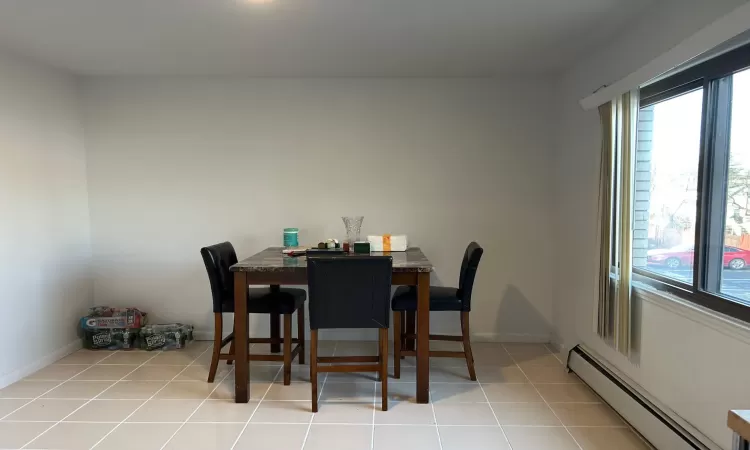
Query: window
point(735, 279)
point(666, 186)
point(691, 208)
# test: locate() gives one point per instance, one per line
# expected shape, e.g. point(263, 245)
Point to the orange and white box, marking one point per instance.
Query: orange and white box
point(388, 243)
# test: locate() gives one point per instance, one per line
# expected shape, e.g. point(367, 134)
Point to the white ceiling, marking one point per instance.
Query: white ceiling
point(311, 37)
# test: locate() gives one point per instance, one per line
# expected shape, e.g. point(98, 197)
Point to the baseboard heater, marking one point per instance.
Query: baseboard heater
point(658, 428)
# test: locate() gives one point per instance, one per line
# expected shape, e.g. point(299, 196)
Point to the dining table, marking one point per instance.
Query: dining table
point(739, 422)
point(271, 267)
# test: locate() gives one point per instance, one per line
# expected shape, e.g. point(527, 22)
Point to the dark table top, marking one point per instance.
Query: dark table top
point(272, 260)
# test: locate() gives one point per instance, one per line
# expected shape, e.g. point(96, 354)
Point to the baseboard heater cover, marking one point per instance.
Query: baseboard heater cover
point(660, 430)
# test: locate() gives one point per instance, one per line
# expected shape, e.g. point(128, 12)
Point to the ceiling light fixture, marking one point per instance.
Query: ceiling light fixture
point(260, 2)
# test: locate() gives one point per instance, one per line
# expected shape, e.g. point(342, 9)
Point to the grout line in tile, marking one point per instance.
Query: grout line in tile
point(50, 389)
point(100, 363)
point(197, 407)
point(434, 417)
point(92, 422)
point(152, 423)
point(299, 400)
point(275, 381)
point(147, 400)
point(123, 399)
point(180, 422)
point(55, 421)
point(320, 395)
point(545, 401)
point(32, 399)
point(574, 403)
point(374, 405)
point(256, 408)
point(324, 424)
point(90, 400)
point(427, 425)
point(495, 415)
point(554, 353)
point(28, 421)
point(557, 426)
point(106, 357)
point(502, 429)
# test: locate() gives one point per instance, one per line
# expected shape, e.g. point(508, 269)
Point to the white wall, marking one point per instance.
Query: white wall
point(45, 283)
point(693, 368)
point(179, 163)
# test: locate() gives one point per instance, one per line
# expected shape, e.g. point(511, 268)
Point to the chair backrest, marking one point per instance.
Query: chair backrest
point(349, 291)
point(218, 258)
point(468, 272)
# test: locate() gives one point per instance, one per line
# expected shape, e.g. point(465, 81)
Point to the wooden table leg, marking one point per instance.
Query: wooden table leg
point(423, 337)
point(241, 348)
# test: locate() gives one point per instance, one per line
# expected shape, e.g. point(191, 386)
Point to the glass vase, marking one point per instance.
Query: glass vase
point(353, 225)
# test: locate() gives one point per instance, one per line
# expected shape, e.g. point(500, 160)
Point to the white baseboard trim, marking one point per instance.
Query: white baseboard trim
point(42, 362)
point(371, 335)
point(523, 338)
point(203, 336)
point(325, 335)
point(348, 335)
point(654, 421)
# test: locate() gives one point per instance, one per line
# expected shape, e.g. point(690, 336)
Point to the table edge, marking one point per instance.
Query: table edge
point(303, 269)
point(429, 267)
point(738, 420)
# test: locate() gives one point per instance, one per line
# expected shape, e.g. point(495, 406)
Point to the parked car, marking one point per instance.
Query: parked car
point(683, 255)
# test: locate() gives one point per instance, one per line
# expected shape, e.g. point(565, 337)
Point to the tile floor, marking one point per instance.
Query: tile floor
point(523, 400)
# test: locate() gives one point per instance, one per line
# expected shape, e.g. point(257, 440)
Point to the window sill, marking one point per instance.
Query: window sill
point(724, 324)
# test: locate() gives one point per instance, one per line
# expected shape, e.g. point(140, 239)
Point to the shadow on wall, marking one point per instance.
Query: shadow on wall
point(518, 320)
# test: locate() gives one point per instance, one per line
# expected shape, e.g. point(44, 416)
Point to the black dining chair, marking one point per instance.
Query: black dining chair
point(441, 299)
point(218, 259)
point(349, 292)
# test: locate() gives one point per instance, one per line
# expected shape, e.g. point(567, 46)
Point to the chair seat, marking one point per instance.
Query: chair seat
point(284, 301)
point(441, 299)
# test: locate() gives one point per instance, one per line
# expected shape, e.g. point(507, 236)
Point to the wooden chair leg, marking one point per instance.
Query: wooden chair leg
point(231, 350)
point(403, 332)
point(411, 328)
point(397, 344)
point(467, 345)
point(301, 333)
point(275, 331)
point(314, 368)
point(287, 349)
point(384, 367)
point(217, 347)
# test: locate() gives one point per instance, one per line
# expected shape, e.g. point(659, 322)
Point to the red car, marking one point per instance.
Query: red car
point(682, 255)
